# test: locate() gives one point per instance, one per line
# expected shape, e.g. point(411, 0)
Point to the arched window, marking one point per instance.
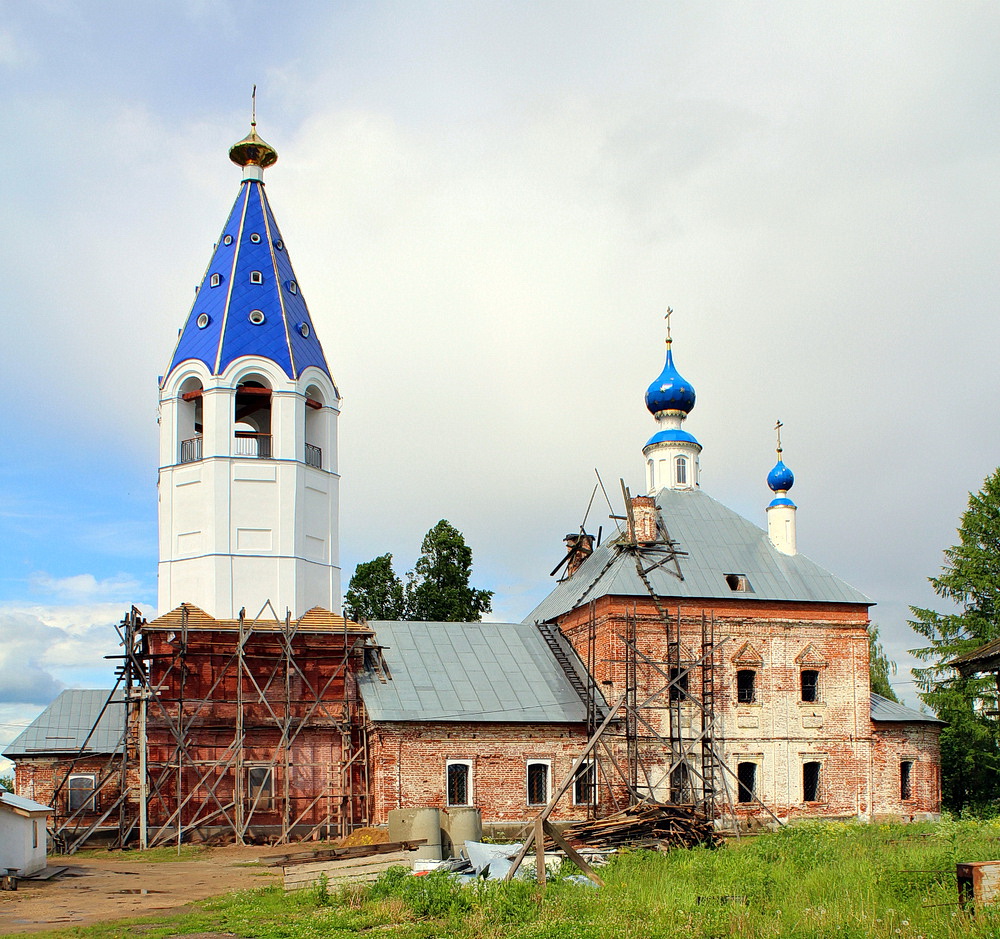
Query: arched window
point(189, 421)
point(681, 470)
point(316, 427)
point(252, 418)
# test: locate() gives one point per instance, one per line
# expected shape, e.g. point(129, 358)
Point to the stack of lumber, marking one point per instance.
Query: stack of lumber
point(646, 824)
point(359, 864)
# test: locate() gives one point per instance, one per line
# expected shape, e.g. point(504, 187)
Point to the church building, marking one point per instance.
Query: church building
point(691, 657)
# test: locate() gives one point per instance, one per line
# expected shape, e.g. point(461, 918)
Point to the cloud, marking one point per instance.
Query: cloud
point(82, 588)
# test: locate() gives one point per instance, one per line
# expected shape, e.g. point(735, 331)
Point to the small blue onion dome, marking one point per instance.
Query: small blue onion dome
point(781, 478)
point(670, 392)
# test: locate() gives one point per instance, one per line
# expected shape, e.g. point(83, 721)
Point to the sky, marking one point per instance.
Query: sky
point(489, 206)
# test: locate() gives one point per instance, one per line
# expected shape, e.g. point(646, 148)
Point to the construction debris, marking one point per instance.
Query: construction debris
point(357, 864)
point(646, 825)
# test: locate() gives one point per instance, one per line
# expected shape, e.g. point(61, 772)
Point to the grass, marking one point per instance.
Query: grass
point(808, 881)
point(164, 855)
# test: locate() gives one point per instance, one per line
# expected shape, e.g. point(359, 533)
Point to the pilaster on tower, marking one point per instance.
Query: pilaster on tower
point(248, 481)
point(672, 454)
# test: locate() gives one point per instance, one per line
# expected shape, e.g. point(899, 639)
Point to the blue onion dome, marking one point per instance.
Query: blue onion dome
point(670, 392)
point(781, 478)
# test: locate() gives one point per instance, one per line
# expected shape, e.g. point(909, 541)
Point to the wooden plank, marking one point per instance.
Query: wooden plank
point(345, 870)
point(553, 833)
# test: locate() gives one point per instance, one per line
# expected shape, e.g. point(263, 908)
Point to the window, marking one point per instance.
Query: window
point(215, 280)
point(255, 238)
point(256, 317)
point(585, 784)
point(228, 240)
point(810, 684)
point(280, 245)
point(746, 682)
point(203, 320)
point(678, 684)
point(538, 782)
point(34, 832)
point(80, 793)
point(260, 787)
point(737, 581)
point(256, 277)
point(304, 330)
point(459, 782)
point(681, 470)
point(293, 287)
point(810, 781)
point(906, 780)
point(746, 774)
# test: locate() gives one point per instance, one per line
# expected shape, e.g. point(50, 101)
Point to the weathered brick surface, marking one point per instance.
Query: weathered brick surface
point(44, 780)
point(408, 764)
point(778, 731)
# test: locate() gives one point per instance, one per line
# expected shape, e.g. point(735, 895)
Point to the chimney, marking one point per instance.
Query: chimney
point(579, 547)
point(644, 520)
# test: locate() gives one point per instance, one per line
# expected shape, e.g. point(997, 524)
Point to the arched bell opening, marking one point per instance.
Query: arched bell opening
point(252, 418)
point(316, 429)
point(190, 418)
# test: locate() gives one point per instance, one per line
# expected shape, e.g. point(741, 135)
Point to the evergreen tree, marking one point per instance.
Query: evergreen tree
point(880, 666)
point(970, 578)
point(375, 592)
point(438, 587)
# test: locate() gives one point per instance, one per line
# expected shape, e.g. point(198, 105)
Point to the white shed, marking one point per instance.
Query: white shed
point(23, 838)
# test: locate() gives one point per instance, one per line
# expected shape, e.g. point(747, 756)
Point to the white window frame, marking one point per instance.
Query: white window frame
point(256, 277)
point(261, 804)
point(470, 792)
point(548, 780)
point(90, 804)
point(215, 280)
point(681, 470)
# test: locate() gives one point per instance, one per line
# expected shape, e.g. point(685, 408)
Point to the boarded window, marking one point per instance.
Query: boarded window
point(810, 781)
point(746, 686)
point(906, 779)
point(260, 787)
point(538, 782)
point(80, 793)
point(678, 684)
point(746, 773)
point(584, 785)
point(810, 684)
point(458, 784)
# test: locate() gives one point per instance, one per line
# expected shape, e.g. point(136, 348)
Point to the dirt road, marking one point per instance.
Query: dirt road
point(116, 887)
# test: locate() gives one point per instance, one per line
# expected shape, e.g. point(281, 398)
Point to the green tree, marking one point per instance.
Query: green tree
point(7, 782)
point(970, 579)
point(438, 587)
point(880, 666)
point(375, 592)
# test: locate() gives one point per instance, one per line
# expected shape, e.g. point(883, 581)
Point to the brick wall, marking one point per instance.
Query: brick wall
point(39, 778)
point(409, 763)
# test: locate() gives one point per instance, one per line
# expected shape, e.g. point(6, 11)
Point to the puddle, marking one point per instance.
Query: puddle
point(139, 890)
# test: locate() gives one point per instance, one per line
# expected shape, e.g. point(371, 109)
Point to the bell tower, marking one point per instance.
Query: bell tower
point(248, 482)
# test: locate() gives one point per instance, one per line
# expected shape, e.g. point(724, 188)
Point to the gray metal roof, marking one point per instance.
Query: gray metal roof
point(885, 710)
point(65, 724)
point(717, 542)
point(468, 672)
point(21, 804)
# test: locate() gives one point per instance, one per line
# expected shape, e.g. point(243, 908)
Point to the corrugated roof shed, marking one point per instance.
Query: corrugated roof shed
point(717, 542)
point(65, 724)
point(885, 710)
point(468, 672)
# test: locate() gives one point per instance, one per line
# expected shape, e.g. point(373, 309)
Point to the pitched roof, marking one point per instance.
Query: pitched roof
point(66, 725)
point(468, 672)
point(250, 242)
point(188, 616)
point(717, 542)
point(885, 710)
point(984, 658)
point(21, 805)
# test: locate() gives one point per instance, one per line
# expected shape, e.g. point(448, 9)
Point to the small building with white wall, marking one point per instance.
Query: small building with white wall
point(22, 834)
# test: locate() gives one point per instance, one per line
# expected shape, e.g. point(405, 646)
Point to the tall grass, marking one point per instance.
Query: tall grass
point(808, 881)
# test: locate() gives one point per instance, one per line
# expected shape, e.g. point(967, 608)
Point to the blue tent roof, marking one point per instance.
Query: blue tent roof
point(250, 274)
